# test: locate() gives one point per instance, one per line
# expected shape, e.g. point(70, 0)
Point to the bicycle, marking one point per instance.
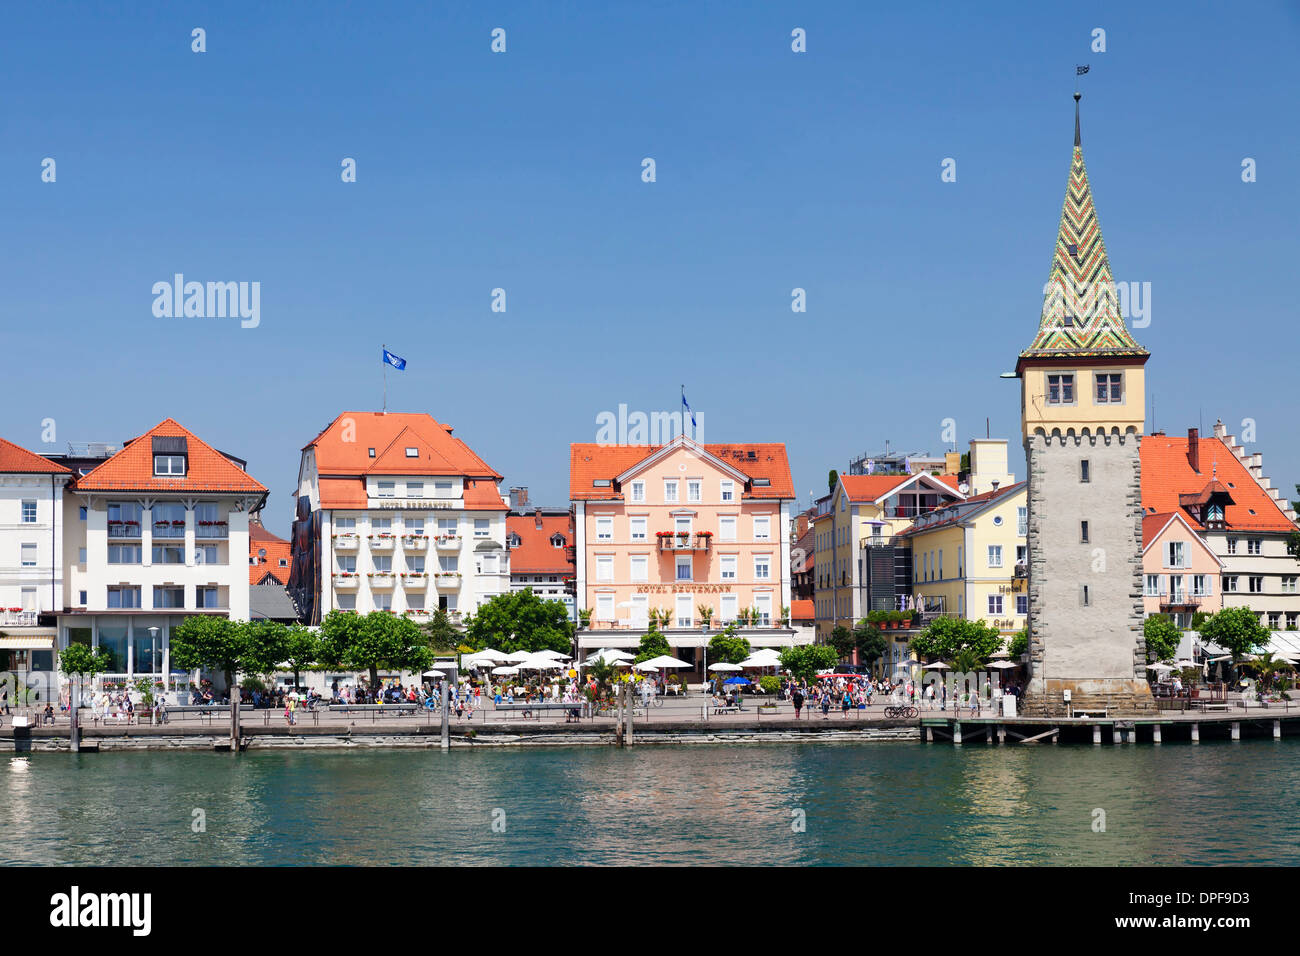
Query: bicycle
point(901, 712)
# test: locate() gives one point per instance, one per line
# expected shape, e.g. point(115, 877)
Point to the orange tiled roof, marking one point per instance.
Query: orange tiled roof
point(589, 461)
point(131, 469)
point(959, 511)
point(342, 452)
point(802, 610)
point(343, 447)
point(951, 481)
point(1167, 473)
point(16, 460)
point(276, 548)
point(535, 554)
point(861, 488)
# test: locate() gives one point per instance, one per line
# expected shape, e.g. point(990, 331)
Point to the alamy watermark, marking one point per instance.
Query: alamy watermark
point(646, 428)
point(212, 300)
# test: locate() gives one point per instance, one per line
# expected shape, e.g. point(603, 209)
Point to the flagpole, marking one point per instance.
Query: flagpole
point(385, 364)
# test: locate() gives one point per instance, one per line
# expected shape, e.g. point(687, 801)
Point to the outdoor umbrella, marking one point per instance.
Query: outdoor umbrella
point(435, 674)
point(554, 655)
point(1160, 667)
point(517, 656)
point(505, 670)
point(735, 680)
point(724, 667)
point(664, 661)
point(489, 654)
point(1002, 665)
point(937, 666)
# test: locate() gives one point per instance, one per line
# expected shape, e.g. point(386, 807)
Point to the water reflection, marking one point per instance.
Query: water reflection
point(873, 804)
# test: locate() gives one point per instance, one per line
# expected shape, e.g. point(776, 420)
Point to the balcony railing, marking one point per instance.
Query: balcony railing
point(168, 529)
point(415, 580)
point(1021, 571)
point(347, 580)
point(124, 529)
point(447, 542)
point(381, 579)
point(676, 541)
point(382, 542)
point(1180, 599)
point(345, 542)
point(415, 542)
point(216, 530)
point(448, 579)
point(12, 618)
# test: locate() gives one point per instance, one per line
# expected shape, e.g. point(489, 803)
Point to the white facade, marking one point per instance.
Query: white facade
point(31, 566)
point(413, 548)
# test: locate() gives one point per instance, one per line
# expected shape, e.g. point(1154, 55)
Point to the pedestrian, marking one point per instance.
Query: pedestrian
point(846, 703)
point(796, 698)
point(826, 706)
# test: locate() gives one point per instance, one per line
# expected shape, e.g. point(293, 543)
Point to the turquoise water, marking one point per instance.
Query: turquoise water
point(861, 803)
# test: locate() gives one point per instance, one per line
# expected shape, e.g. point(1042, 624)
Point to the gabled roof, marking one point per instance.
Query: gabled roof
point(1080, 288)
point(590, 462)
point(16, 460)
point(260, 566)
point(270, 602)
point(207, 470)
point(960, 512)
point(535, 554)
point(1154, 525)
point(871, 488)
point(1167, 474)
point(343, 447)
point(802, 610)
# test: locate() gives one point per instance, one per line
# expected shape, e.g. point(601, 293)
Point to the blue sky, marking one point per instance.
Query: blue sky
point(522, 171)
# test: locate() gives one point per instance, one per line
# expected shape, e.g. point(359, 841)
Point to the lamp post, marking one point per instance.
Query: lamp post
point(153, 650)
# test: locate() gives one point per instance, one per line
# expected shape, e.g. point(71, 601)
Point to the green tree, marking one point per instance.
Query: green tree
point(520, 621)
point(301, 649)
point(378, 639)
point(967, 660)
point(214, 644)
point(946, 636)
point(871, 644)
point(806, 660)
point(1019, 643)
point(264, 645)
point(653, 644)
point(1162, 636)
point(1268, 667)
point(842, 640)
point(1237, 630)
point(82, 660)
point(726, 648)
point(444, 636)
point(832, 478)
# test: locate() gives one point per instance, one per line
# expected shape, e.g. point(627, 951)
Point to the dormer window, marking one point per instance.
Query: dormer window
point(515, 540)
point(557, 540)
point(172, 466)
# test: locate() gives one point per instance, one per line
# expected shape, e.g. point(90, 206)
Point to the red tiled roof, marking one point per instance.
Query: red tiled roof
point(16, 460)
point(860, 488)
point(802, 610)
point(276, 548)
point(343, 459)
point(343, 448)
point(1167, 473)
point(207, 470)
point(589, 461)
point(951, 480)
point(535, 554)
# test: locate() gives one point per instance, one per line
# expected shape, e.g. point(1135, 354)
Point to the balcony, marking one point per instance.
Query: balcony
point(1021, 572)
point(124, 529)
point(381, 580)
point(415, 580)
point(447, 579)
point(345, 542)
point(212, 529)
point(681, 541)
point(346, 580)
point(381, 542)
point(169, 529)
point(415, 542)
point(1180, 600)
point(418, 614)
point(447, 542)
point(17, 617)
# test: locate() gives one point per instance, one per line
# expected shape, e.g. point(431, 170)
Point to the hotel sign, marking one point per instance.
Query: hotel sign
point(683, 587)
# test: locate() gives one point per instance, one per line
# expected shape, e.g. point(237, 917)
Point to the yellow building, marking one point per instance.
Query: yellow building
point(970, 560)
point(856, 568)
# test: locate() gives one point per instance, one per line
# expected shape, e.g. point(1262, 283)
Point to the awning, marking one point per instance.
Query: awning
point(26, 643)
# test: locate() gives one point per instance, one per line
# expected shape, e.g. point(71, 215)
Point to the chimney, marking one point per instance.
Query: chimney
point(537, 519)
point(1194, 449)
point(519, 499)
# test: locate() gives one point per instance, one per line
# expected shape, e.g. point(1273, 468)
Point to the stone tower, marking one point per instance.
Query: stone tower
point(1082, 404)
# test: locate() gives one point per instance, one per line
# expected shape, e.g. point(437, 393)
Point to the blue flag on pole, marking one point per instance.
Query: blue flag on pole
point(687, 407)
point(394, 361)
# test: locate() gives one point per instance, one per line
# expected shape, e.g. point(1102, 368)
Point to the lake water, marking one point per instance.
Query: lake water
point(860, 803)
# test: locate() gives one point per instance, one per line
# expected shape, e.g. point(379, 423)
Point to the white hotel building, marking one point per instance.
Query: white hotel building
point(396, 514)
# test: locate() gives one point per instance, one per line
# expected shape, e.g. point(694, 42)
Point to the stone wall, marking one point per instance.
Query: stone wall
point(1098, 644)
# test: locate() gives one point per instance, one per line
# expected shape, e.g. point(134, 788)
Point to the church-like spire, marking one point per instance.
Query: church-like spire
point(1081, 314)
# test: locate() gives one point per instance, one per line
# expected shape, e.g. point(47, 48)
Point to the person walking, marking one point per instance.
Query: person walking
point(826, 706)
point(845, 703)
point(796, 698)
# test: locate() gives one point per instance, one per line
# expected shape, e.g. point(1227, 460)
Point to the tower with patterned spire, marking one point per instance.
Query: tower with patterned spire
point(1083, 400)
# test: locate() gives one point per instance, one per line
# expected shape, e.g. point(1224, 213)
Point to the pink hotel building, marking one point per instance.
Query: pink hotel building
point(677, 526)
